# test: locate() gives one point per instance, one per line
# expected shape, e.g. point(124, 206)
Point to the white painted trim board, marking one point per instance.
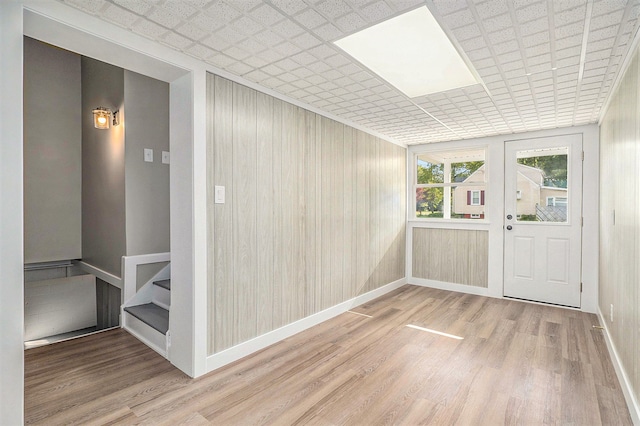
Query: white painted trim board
point(442, 285)
point(103, 275)
point(625, 383)
point(241, 350)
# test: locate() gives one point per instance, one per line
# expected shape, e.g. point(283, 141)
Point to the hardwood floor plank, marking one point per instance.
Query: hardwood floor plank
point(512, 363)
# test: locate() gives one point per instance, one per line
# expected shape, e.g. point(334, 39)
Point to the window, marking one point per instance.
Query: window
point(557, 201)
point(450, 184)
point(543, 186)
point(475, 198)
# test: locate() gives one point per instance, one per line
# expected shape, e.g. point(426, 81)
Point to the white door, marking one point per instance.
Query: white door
point(543, 219)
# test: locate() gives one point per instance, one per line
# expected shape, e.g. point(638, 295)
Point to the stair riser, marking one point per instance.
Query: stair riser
point(161, 297)
point(146, 334)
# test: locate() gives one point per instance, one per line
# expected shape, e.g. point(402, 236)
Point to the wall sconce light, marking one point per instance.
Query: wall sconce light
point(102, 118)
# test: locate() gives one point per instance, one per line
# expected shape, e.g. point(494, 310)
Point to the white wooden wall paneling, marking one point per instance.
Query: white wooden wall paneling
point(314, 213)
point(222, 266)
point(265, 213)
point(620, 228)
point(451, 255)
point(244, 207)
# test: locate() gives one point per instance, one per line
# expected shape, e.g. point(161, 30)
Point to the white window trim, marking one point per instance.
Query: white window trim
point(446, 216)
point(475, 192)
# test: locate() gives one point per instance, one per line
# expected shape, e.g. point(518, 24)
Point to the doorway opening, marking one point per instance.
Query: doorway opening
point(91, 195)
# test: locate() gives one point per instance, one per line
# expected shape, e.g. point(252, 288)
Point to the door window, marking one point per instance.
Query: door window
point(542, 192)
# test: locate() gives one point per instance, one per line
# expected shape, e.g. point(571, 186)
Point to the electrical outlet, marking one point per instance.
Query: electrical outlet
point(148, 155)
point(611, 312)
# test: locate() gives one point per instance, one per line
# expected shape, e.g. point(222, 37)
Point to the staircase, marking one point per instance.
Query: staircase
point(146, 316)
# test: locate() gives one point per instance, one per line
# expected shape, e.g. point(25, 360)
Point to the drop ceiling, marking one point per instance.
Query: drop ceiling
point(543, 64)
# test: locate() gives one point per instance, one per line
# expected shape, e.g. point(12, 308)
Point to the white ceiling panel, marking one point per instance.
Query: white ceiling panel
point(528, 54)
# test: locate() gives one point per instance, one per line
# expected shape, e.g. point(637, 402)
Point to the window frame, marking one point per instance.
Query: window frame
point(447, 185)
point(475, 192)
point(555, 199)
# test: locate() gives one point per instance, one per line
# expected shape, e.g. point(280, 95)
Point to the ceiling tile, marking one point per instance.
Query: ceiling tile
point(149, 29)
point(497, 23)
point(236, 53)
point(266, 15)
point(180, 9)
point(191, 31)
point(306, 41)
point(289, 6)
point(533, 27)
point(460, 19)
point(328, 32)
point(221, 61)
point(269, 38)
point(351, 23)
point(286, 45)
point(287, 49)
point(120, 16)
point(304, 58)
point(334, 8)
point(200, 51)
point(136, 6)
point(491, 8)
point(247, 26)
point(252, 46)
point(221, 12)
point(310, 19)
point(177, 41)
point(90, 6)
point(530, 12)
point(288, 29)
point(602, 34)
point(244, 5)
point(376, 11)
point(216, 43)
point(467, 32)
point(255, 61)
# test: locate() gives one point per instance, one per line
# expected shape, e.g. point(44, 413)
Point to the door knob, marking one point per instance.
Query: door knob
point(509, 227)
point(509, 217)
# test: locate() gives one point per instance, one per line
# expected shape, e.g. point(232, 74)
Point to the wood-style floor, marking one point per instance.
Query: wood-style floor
point(516, 363)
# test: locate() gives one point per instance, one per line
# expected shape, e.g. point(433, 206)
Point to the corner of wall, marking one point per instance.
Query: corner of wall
point(625, 383)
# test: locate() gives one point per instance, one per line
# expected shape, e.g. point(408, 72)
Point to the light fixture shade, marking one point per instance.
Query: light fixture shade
point(101, 118)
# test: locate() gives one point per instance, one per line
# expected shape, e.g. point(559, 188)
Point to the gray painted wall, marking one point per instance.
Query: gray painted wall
point(103, 169)
point(52, 153)
point(146, 184)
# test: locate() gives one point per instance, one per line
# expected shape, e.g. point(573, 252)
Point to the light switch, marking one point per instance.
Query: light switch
point(148, 155)
point(165, 157)
point(218, 197)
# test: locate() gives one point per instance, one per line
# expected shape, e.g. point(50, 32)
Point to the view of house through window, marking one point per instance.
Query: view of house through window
point(543, 190)
point(450, 184)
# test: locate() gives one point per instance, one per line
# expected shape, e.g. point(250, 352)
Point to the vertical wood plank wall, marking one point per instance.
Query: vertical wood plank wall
point(314, 213)
point(451, 255)
point(620, 239)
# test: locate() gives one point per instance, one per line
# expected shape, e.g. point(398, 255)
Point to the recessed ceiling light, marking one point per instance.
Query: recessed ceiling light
point(412, 53)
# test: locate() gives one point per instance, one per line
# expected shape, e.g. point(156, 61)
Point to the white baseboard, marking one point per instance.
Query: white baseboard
point(441, 285)
point(625, 383)
point(241, 350)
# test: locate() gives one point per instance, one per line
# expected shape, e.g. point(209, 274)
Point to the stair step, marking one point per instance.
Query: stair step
point(152, 315)
point(164, 284)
